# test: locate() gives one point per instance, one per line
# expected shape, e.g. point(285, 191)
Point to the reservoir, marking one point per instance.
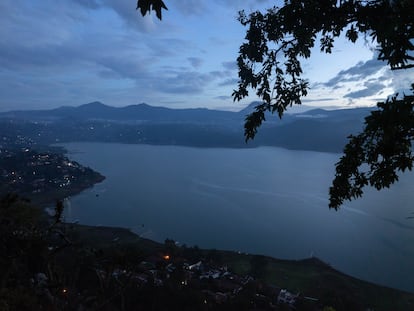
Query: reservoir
point(263, 200)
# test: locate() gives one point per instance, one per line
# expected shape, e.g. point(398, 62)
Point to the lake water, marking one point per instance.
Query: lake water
point(265, 200)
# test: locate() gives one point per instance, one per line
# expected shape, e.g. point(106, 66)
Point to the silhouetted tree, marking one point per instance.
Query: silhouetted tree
point(269, 62)
point(277, 41)
point(376, 155)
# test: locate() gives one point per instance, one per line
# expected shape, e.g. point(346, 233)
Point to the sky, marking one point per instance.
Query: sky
point(71, 52)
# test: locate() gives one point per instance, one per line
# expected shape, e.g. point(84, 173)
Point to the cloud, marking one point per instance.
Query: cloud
point(231, 65)
point(402, 80)
point(202, 7)
point(219, 74)
point(25, 23)
point(126, 9)
point(245, 4)
point(370, 89)
point(71, 52)
point(167, 46)
point(306, 100)
point(366, 81)
point(356, 73)
point(124, 67)
point(230, 81)
point(223, 97)
point(90, 4)
point(114, 52)
point(196, 62)
point(182, 82)
point(189, 7)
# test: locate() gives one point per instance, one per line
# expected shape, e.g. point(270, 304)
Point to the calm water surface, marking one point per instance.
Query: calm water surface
point(265, 200)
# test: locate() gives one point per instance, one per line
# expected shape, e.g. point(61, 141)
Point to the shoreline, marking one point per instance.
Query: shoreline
point(310, 275)
point(49, 198)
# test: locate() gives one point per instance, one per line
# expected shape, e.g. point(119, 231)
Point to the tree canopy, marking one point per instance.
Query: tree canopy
point(374, 156)
point(269, 63)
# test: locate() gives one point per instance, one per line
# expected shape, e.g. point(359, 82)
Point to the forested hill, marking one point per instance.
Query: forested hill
point(132, 113)
point(318, 129)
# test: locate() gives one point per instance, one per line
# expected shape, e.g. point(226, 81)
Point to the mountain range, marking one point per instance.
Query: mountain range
point(132, 113)
point(316, 129)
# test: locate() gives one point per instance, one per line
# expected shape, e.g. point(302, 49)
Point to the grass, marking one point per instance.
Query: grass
point(313, 278)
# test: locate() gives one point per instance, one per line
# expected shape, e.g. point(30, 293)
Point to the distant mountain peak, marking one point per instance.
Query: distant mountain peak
point(250, 107)
point(143, 105)
point(95, 104)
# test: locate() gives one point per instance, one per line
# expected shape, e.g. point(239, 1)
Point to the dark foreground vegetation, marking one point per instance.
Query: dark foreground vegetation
point(46, 264)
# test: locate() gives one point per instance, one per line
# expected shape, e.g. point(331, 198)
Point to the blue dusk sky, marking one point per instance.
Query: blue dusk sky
point(70, 52)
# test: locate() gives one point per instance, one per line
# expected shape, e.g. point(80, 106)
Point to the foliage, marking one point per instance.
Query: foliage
point(21, 253)
point(147, 5)
point(374, 156)
point(32, 264)
point(19, 233)
point(278, 40)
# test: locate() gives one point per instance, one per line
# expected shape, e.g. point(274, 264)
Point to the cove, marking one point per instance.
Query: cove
point(264, 200)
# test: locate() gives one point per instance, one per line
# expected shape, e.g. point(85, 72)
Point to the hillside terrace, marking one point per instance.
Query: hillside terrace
point(217, 283)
